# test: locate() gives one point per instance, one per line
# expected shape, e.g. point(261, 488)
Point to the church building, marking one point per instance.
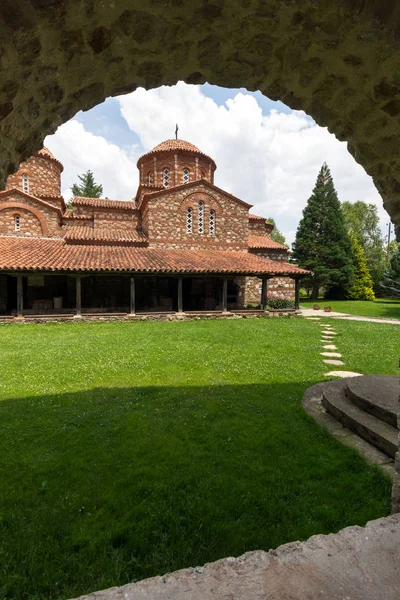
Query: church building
point(183, 245)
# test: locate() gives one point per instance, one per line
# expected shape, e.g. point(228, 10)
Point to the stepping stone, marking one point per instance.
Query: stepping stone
point(313, 318)
point(330, 347)
point(331, 354)
point(332, 361)
point(325, 325)
point(328, 332)
point(343, 374)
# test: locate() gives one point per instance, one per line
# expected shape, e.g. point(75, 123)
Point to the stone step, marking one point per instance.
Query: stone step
point(374, 431)
point(378, 395)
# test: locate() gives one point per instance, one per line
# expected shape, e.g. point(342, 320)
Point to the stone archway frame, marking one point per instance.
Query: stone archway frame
point(28, 208)
point(338, 61)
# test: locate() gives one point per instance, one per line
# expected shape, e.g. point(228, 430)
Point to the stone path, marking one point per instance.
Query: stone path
point(310, 314)
point(331, 358)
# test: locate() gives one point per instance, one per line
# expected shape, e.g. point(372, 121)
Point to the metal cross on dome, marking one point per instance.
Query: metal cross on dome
point(176, 131)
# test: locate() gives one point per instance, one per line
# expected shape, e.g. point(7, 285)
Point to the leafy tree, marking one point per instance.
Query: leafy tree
point(87, 188)
point(276, 234)
point(390, 286)
point(362, 286)
point(362, 218)
point(322, 243)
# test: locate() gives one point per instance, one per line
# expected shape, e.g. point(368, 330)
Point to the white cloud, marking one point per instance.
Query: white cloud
point(270, 161)
point(80, 150)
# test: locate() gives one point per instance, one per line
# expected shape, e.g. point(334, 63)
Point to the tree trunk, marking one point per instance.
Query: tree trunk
point(315, 292)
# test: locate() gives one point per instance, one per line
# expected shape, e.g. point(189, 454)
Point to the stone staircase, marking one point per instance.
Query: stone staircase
point(368, 407)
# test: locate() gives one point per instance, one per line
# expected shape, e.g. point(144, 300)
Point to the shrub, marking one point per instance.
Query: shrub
point(279, 303)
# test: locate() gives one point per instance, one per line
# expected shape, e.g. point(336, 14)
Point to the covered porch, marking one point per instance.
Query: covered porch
point(62, 294)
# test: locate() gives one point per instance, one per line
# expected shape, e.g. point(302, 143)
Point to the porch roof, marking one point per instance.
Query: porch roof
point(54, 254)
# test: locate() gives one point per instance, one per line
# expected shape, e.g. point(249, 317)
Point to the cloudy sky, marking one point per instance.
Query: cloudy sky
point(266, 153)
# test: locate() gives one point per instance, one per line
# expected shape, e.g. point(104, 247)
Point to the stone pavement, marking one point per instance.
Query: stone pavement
point(358, 563)
point(314, 314)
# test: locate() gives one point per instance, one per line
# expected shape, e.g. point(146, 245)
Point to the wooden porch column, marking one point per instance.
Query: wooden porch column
point(78, 310)
point(180, 296)
point(296, 293)
point(20, 296)
point(264, 292)
point(225, 294)
point(133, 297)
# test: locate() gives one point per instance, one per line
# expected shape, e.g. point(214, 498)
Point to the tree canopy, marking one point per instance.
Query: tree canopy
point(363, 220)
point(362, 285)
point(88, 188)
point(322, 243)
point(276, 234)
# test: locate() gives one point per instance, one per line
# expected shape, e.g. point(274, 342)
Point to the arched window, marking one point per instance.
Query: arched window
point(17, 223)
point(166, 177)
point(212, 222)
point(25, 183)
point(200, 217)
point(202, 174)
point(189, 220)
point(150, 178)
point(186, 176)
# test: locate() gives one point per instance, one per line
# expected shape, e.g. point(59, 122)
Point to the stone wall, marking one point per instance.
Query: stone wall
point(36, 218)
point(278, 287)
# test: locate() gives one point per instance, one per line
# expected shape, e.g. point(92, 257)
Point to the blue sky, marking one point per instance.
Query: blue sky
point(266, 153)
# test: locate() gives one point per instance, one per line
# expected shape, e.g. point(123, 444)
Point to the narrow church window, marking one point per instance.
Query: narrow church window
point(212, 222)
point(200, 222)
point(150, 178)
point(202, 175)
point(186, 175)
point(17, 223)
point(166, 177)
point(25, 183)
point(189, 220)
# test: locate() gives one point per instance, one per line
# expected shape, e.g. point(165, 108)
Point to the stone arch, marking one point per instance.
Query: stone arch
point(28, 208)
point(194, 197)
point(338, 61)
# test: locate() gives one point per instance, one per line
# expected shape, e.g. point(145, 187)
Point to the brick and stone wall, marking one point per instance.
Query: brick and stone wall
point(165, 220)
point(44, 177)
point(278, 287)
point(36, 218)
point(151, 167)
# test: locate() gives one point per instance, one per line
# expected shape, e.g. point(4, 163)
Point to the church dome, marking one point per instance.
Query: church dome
point(45, 153)
point(175, 162)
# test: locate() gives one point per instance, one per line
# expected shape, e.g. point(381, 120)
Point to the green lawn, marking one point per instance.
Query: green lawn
point(383, 308)
point(133, 449)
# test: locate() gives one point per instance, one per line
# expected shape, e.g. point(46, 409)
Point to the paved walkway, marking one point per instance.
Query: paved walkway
point(310, 312)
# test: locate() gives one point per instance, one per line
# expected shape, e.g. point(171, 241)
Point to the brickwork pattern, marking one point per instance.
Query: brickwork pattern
point(32, 212)
point(44, 178)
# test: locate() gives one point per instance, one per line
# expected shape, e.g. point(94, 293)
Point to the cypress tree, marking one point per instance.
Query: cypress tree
point(322, 243)
point(87, 188)
point(362, 286)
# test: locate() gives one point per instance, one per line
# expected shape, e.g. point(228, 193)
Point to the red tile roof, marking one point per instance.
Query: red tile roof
point(256, 218)
point(104, 203)
point(181, 145)
point(260, 241)
point(81, 234)
point(21, 254)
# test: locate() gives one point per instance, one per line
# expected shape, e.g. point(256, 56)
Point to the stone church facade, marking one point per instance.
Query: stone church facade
point(183, 244)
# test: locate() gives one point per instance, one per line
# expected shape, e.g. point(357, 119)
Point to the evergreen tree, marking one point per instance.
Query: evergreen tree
point(276, 234)
point(362, 218)
point(87, 188)
point(390, 286)
point(362, 286)
point(322, 243)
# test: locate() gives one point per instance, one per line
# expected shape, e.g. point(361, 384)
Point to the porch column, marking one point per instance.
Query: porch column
point(296, 293)
point(224, 294)
point(78, 310)
point(180, 297)
point(264, 292)
point(133, 297)
point(20, 296)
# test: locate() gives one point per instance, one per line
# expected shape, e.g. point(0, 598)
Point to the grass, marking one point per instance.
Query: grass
point(383, 308)
point(133, 449)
